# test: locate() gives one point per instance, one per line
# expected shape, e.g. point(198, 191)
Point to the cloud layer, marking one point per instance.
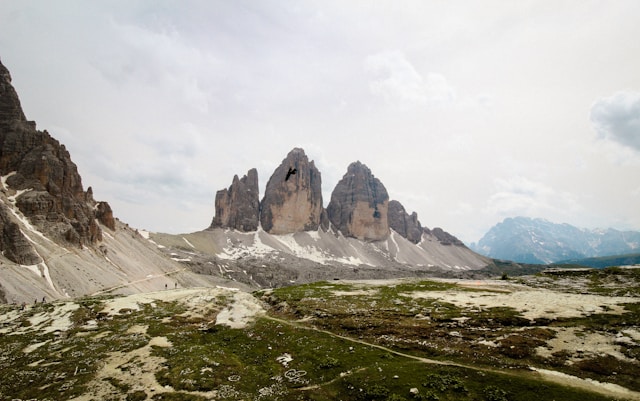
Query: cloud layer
point(617, 118)
point(467, 113)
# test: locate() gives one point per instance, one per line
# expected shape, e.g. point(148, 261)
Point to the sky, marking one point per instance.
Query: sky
point(468, 112)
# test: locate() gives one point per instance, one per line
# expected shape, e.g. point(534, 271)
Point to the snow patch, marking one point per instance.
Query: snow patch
point(188, 243)
point(240, 312)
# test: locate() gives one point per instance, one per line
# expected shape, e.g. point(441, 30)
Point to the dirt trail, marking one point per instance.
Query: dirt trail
point(606, 389)
point(152, 277)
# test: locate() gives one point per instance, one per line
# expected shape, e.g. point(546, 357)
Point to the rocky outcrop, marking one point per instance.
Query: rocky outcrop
point(104, 214)
point(14, 245)
point(238, 207)
point(444, 237)
point(34, 162)
point(359, 205)
point(293, 197)
point(403, 223)
point(10, 109)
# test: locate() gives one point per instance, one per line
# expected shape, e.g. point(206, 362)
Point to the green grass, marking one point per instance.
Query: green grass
point(370, 346)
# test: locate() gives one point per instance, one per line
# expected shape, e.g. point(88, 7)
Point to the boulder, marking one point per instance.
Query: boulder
point(238, 207)
point(359, 205)
point(292, 200)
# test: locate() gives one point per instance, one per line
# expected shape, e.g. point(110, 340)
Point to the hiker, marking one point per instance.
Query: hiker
point(165, 286)
point(175, 286)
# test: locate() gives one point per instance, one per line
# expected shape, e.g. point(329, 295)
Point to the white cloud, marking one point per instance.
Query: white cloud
point(617, 118)
point(520, 196)
point(395, 79)
point(161, 104)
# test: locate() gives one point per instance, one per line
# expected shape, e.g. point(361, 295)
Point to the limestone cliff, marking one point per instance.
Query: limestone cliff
point(403, 223)
point(39, 172)
point(359, 205)
point(293, 197)
point(238, 207)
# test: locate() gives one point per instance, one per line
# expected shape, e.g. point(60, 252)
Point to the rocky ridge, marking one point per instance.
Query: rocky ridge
point(404, 223)
point(41, 177)
point(527, 240)
point(359, 208)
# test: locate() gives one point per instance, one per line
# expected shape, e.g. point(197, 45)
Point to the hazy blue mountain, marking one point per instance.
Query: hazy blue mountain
point(528, 240)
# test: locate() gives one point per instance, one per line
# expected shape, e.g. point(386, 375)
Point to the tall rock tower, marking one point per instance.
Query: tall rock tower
point(239, 207)
point(293, 197)
point(359, 205)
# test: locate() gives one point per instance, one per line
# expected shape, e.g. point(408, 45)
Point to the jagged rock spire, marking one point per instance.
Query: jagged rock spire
point(238, 207)
point(293, 204)
point(359, 205)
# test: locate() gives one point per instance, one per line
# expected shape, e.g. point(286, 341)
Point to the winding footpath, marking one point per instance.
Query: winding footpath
point(606, 389)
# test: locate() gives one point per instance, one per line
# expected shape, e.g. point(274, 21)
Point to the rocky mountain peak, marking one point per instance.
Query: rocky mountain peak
point(238, 207)
point(39, 174)
point(359, 205)
point(10, 109)
point(404, 223)
point(293, 196)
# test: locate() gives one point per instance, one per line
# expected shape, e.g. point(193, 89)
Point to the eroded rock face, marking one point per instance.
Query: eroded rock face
point(238, 207)
point(54, 199)
point(359, 205)
point(444, 237)
point(104, 214)
point(293, 200)
point(13, 243)
point(403, 223)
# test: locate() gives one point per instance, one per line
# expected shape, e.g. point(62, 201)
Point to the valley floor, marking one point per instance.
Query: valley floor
point(566, 336)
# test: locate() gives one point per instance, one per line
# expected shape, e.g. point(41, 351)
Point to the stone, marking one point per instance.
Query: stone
point(292, 201)
point(238, 207)
point(403, 223)
point(359, 205)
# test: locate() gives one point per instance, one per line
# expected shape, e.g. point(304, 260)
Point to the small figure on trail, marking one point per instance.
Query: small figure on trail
point(43, 300)
point(165, 286)
point(175, 286)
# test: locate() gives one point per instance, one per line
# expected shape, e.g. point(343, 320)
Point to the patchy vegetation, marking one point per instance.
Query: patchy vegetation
point(397, 340)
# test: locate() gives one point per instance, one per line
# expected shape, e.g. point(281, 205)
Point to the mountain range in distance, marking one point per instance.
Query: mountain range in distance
point(539, 241)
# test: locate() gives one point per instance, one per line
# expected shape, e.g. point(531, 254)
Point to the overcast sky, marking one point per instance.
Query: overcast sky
point(467, 111)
